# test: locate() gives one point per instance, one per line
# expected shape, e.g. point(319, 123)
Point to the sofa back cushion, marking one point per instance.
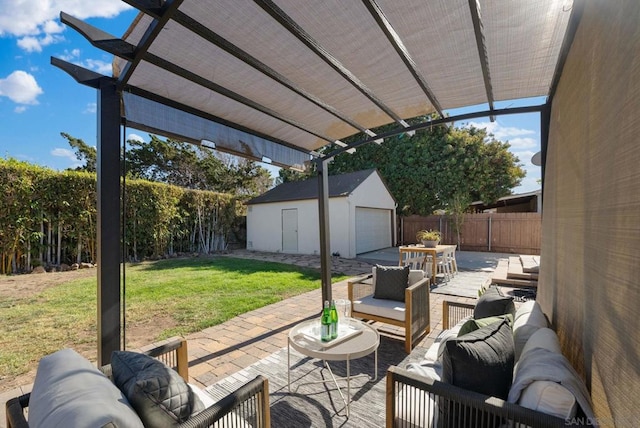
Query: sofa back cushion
point(390, 282)
point(529, 318)
point(158, 394)
point(481, 361)
point(69, 391)
point(493, 303)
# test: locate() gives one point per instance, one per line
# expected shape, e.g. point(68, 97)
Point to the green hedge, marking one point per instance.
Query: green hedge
point(49, 218)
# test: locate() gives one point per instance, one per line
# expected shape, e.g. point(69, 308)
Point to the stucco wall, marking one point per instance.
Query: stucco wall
point(264, 221)
point(590, 261)
point(264, 226)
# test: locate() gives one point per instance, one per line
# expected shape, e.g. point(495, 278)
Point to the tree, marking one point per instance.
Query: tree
point(189, 166)
point(84, 153)
point(286, 175)
point(426, 170)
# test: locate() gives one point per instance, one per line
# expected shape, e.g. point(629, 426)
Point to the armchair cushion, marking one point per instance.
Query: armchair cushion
point(157, 393)
point(481, 361)
point(390, 282)
point(493, 303)
point(69, 391)
point(380, 307)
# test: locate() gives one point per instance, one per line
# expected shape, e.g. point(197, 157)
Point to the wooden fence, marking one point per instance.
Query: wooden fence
point(517, 233)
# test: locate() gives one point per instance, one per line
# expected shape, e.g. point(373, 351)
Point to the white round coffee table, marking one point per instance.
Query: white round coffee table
point(355, 340)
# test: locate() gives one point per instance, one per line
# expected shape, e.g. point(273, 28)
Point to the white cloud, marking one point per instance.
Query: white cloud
point(70, 55)
point(135, 137)
point(502, 132)
point(20, 109)
point(35, 22)
point(20, 87)
point(91, 108)
point(519, 143)
point(97, 65)
point(35, 44)
point(64, 153)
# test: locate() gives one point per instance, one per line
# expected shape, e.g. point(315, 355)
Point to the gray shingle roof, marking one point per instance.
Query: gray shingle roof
point(339, 185)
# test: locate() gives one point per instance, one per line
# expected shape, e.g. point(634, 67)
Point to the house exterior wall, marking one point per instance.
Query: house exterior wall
point(264, 226)
point(264, 221)
point(589, 271)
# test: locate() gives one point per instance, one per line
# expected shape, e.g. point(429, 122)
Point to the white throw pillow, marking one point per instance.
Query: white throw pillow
point(541, 338)
point(529, 318)
point(550, 398)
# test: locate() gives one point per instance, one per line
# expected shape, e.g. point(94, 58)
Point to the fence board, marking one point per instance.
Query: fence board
point(516, 233)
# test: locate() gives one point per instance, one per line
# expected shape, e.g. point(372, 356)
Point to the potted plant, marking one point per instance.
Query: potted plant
point(429, 238)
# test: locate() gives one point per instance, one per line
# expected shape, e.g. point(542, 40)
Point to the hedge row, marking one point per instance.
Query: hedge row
point(49, 218)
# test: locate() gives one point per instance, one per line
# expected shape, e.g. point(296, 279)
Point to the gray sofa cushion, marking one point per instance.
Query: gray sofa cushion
point(157, 393)
point(391, 282)
point(482, 360)
point(69, 391)
point(493, 303)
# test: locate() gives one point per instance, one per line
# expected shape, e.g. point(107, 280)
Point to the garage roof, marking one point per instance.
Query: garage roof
point(339, 186)
point(279, 80)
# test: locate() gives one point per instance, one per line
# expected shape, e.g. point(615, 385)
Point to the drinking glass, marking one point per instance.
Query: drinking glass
point(344, 313)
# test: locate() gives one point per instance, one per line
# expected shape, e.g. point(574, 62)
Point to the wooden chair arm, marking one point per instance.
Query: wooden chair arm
point(173, 352)
point(453, 312)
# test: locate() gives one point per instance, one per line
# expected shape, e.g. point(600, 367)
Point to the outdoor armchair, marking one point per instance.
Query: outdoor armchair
point(412, 313)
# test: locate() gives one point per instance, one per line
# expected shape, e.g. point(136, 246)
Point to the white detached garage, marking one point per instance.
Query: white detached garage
point(361, 216)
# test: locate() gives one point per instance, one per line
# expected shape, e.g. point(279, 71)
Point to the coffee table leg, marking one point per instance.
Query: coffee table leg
point(348, 384)
point(289, 365)
point(375, 374)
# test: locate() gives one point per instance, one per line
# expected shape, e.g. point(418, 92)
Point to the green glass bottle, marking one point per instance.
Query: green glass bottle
point(325, 323)
point(334, 319)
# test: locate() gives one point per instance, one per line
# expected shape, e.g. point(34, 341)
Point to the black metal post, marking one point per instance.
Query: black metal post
point(323, 214)
point(545, 119)
point(108, 187)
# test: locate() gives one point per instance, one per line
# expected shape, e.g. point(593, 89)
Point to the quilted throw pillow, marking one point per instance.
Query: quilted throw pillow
point(493, 303)
point(481, 361)
point(157, 393)
point(391, 282)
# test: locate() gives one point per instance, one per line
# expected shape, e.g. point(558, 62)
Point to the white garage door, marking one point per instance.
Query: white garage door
point(373, 229)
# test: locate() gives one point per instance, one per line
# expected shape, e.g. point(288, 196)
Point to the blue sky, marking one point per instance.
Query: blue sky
point(39, 101)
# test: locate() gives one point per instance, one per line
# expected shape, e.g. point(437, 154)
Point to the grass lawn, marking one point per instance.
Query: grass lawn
point(169, 297)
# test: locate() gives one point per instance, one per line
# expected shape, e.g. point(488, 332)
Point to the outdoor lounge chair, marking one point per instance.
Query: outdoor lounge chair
point(412, 313)
point(248, 406)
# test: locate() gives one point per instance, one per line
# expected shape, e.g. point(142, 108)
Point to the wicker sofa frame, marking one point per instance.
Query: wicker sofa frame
point(416, 322)
point(249, 402)
point(466, 408)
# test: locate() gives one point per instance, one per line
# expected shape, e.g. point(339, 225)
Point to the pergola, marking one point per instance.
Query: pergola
point(278, 80)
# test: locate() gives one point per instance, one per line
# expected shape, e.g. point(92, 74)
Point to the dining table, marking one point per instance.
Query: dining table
point(427, 251)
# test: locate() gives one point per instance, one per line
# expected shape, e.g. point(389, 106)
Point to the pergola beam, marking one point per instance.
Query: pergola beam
point(430, 123)
point(482, 52)
point(281, 17)
point(126, 50)
point(405, 56)
point(169, 7)
point(224, 44)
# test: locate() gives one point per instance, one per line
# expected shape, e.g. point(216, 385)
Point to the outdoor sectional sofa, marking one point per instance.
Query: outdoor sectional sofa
point(508, 372)
point(137, 389)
